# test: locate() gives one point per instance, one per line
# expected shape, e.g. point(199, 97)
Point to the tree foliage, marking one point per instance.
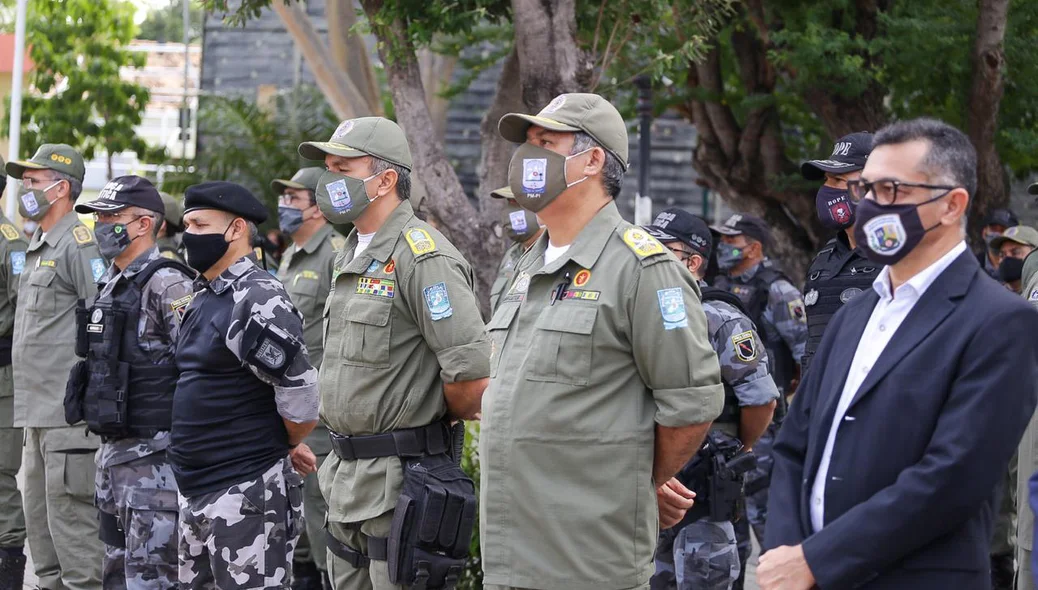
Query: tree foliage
point(76, 93)
point(166, 24)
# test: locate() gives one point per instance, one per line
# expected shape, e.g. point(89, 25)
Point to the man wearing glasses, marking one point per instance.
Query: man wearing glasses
point(306, 271)
point(888, 465)
point(840, 270)
point(62, 266)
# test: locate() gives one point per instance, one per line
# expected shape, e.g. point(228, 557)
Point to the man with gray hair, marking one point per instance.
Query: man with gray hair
point(62, 266)
point(123, 388)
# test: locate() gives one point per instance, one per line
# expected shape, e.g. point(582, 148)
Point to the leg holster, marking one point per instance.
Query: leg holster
point(109, 531)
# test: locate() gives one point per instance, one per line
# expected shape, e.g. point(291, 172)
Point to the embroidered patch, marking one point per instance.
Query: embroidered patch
point(377, 287)
point(343, 128)
point(338, 242)
point(373, 266)
point(9, 232)
point(390, 267)
point(885, 234)
point(522, 284)
point(339, 195)
point(420, 241)
point(849, 294)
point(82, 235)
point(811, 298)
point(49, 263)
point(672, 308)
point(534, 170)
point(555, 104)
point(518, 221)
point(17, 262)
point(179, 307)
point(796, 310)
point(1033, 296)
point(31, 206)
point(97, 316)
point(514, 298)
point(745, 346)
point(585, 295)
point(97, 267)
point(642, 243)
point(438, 301)
point(582, 278)
point(270, 354)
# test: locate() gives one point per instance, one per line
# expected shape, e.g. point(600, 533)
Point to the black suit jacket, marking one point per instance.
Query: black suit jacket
point(918, 458)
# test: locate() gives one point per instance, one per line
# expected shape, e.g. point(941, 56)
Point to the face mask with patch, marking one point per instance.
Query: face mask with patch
point(33, 204)
point(890, 232)
point(342, 198)
point(537, 176)
point(519, 224)
point(834, 208)
point(112, 238)
point(728, 256)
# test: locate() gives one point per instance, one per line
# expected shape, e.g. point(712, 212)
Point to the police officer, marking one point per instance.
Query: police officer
point(777, 309)
point(1027, 453)
point(12, 520)
point(405, 347)
point(995, 222)
point(602, 377)
point(306, 271)
point(711, 553)
point(522, 229)
point(839, 271)
point(131, 323)
point(1012, 247)
point(62, 266)
point(247, 394)
point(168, 239)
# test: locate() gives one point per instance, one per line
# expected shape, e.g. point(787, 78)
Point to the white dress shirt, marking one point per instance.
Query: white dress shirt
point(890, 312)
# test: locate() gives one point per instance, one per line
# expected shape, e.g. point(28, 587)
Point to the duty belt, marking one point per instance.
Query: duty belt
point(432, 439)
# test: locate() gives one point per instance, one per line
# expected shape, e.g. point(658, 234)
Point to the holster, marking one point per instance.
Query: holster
point(432, 525)
point(75, 390)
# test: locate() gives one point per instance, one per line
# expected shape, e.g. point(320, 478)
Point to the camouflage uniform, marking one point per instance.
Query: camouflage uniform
point(12, 521)
point(505, 272)
point(706, 555)
point(219, 547)
point(134, 478)
point(784, 315)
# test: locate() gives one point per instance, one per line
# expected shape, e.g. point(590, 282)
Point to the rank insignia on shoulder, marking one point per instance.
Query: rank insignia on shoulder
point(672, 308)
point(179, 307)
point(82, 235)
point(796, 310)
point(745, 346)
point(642, 243)
point(811, 298)
point(438, 301)
point(420, 241)
point(168, 254)
point(9, 232)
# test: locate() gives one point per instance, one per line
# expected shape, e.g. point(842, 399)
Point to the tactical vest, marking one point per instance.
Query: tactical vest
point(730, 413)
point(126, 393)
point(754, 296)
point(835, 277)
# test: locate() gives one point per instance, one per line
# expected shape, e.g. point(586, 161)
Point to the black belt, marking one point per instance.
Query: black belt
point(377, 550)
point(433, 439)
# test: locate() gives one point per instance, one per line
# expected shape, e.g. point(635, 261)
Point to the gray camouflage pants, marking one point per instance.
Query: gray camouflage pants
point(699, 556)
point(757, 502)
point(242, 537)
point(142, 495)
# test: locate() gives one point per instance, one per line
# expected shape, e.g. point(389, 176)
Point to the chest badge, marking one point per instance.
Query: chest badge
point(811, 298)
point(582, 278)
point(849, 294)
point(522, 284)
point(96, 316)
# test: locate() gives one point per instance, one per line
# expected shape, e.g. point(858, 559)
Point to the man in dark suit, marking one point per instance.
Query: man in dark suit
point(888, 465)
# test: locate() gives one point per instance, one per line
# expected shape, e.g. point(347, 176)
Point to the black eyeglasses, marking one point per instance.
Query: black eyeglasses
point(885, 191)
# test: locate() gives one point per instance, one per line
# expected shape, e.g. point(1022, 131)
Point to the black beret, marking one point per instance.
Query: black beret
point(225, 196)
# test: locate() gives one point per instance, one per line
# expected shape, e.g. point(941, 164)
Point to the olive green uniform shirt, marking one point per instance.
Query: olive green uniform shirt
point(61, 267)
point(577, 387)
point(401, 321)
point(505, 273)
point(1027, 453)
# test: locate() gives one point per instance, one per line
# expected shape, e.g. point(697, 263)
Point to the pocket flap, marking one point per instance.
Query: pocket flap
point(152, 499)
point(503, 317)
point(41, 277)
point(571, 319)
point(370, 312)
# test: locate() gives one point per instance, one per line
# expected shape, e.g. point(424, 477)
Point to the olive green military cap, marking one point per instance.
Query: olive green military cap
point(1021, 234)
point(174, 214)
point(58, 157)
point(589, 113)
point(304, 179)
point(366, 136)
point(504, 192)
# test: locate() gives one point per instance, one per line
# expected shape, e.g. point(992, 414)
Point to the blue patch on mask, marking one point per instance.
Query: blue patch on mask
point(17, 262)
point(438, 302)
point(672, 308)
point(97, 268)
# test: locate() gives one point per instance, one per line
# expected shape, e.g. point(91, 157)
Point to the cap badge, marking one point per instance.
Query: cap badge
point(343, 128)
point(664, 219)
point(555, 104)
point(842, 148)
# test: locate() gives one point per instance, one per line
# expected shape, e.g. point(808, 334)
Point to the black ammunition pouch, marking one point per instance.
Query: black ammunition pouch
point(715, 474)
point(105, 402)
point(75, 391)
point(109, 531)
point(435, 514)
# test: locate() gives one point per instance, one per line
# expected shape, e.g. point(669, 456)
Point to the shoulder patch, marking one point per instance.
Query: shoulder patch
point(179, 307)
point(97, 268)
point(420, 241)
point(338, 242)
point(745, 346)
point(17, 262)
point(9, 232)
point(796, 310)
point(438, 301)
point(672, 308)
point(1034, 295)
point(642, 243)
point(82, 235)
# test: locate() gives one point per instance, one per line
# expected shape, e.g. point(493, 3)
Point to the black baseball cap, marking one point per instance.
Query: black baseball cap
point(678, 225)
point(849, 154)
point(745, 224)
point(1033, 189)
point(1003, 217)
point(123, 192)
point(225, 196)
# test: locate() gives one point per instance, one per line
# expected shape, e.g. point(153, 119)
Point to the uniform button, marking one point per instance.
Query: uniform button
point(818, 501)
point(864, 369)
point(882, 328)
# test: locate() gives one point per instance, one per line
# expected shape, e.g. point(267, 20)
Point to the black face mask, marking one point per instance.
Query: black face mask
point(1011, 269)
point(205, 250)
point(835, 208)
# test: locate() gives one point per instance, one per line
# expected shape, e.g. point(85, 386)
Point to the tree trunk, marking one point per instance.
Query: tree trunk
point(550, 62)
point(989, 62)
point(495, 151)
point(466, 227)
point(437, 71)
point(350, 55)
point(108, 160)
